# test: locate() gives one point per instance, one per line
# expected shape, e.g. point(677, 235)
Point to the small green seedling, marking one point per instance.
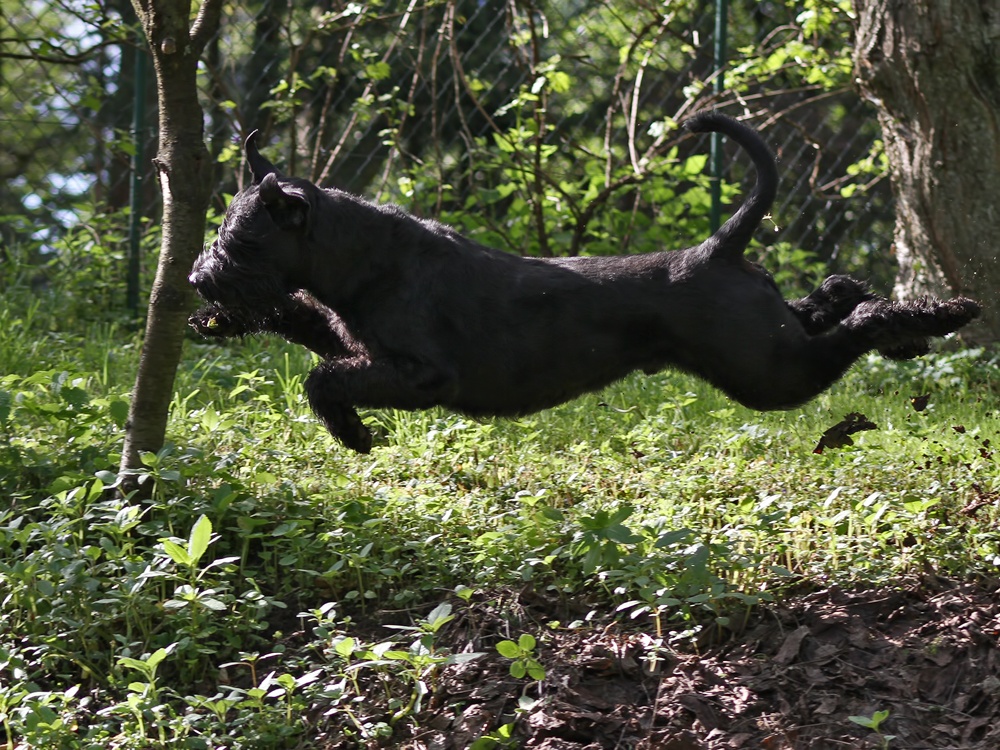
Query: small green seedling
point(524, 662)
point(873, 723)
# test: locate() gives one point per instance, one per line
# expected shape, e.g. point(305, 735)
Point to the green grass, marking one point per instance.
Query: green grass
point(657, 498)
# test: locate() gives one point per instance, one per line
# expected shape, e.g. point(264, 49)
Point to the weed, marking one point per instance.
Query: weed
point(874, 723)
point(524, 661)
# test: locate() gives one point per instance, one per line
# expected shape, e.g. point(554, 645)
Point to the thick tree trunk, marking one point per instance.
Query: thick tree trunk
point(932, 69)
point(184, 169)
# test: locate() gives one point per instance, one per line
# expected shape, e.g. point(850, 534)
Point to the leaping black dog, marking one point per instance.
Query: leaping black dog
point(408, 313)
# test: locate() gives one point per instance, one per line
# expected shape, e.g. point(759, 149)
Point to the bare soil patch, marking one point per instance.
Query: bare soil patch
point(927, 653)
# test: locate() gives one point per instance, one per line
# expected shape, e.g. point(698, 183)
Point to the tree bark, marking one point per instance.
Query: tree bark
point(932, 70)
point(184, 170)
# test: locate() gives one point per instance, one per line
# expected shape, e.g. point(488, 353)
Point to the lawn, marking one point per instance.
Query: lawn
point(456, 586)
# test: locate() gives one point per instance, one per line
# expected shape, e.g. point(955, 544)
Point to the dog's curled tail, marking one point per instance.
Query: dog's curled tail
point(732, 238)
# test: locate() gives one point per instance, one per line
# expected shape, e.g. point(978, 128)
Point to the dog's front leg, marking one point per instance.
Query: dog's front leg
point(310, 323)
point(336, 386)
point(301, 320)
point(335, 411)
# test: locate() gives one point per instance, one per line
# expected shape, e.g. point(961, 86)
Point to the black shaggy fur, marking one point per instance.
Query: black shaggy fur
point(408, 313)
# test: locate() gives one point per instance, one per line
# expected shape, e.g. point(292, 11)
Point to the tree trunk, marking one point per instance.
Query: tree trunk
point(184, 170)
point(932, 69)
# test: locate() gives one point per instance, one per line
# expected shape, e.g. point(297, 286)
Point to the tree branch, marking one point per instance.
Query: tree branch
point(64, 57)
point(206, 24)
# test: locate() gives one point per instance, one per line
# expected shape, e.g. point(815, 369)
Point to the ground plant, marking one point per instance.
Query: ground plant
point(268, 589)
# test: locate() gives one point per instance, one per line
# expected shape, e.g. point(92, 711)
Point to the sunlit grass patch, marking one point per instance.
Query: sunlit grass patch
point(657, 501)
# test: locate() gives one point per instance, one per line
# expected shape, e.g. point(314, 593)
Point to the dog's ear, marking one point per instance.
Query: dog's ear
point(288, 209)
point(259, 166)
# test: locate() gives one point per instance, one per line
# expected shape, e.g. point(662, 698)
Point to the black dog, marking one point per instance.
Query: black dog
point(407, 313)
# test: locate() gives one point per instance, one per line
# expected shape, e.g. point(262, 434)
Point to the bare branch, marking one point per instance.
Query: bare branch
point(206, 24)
point(63, 58)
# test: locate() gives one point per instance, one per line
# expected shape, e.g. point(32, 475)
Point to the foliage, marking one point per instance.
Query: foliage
point(524, 662)
point(61, 106)
point(657, 501)
point(544, 129)
point(874, 722)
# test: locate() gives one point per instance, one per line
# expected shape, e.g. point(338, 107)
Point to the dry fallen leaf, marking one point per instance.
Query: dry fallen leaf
point(840, 434)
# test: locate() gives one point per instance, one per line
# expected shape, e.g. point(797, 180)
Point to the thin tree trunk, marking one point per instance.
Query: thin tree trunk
point(184, 169)
point(932, 69)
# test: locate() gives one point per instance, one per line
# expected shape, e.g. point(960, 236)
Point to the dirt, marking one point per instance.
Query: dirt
point(926, 653)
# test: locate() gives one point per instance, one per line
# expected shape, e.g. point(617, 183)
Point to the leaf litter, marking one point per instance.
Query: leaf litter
point(819, 671)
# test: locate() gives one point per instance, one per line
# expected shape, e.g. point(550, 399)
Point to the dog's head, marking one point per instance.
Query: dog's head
point(260, 255)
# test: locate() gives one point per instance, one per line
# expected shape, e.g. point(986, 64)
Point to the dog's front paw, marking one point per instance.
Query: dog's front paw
point(345, 425)
point(356, 436)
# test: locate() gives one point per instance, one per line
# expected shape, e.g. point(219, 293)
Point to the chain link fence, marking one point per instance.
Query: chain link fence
point(541, 127)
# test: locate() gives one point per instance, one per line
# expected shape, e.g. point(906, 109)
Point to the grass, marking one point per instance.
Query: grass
point(657, 500)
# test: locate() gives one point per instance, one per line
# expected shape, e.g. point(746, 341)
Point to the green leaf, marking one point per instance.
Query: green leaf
point(201, 536)
point(508, 649)
point(5, 401)
point(560, 82)
point(695, 165)
point(378, 71)
point(503, 143)
point(344, 647)
point(156, 657)
point(676, 536)
point(527, 642)
point(128, 661)
point(518, 670)
point(536, 671)
point(177, 553)
point(439, 616)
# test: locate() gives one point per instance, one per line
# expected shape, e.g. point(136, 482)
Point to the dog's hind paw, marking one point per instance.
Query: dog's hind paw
point(960, 310)
point(906, 350)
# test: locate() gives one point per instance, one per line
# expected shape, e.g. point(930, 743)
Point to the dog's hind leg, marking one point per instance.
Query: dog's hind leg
point(834, 300)
point(902, 326)
point(830, 303)
point(801, 367)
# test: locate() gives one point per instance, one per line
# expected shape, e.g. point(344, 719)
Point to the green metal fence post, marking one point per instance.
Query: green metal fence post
point(719, 62)
point(135, 189)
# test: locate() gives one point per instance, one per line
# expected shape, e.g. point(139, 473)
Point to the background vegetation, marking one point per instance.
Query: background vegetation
point(245, 602)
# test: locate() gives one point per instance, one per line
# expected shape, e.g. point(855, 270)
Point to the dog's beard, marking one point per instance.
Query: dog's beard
point(216, 321)
point(237, 286)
